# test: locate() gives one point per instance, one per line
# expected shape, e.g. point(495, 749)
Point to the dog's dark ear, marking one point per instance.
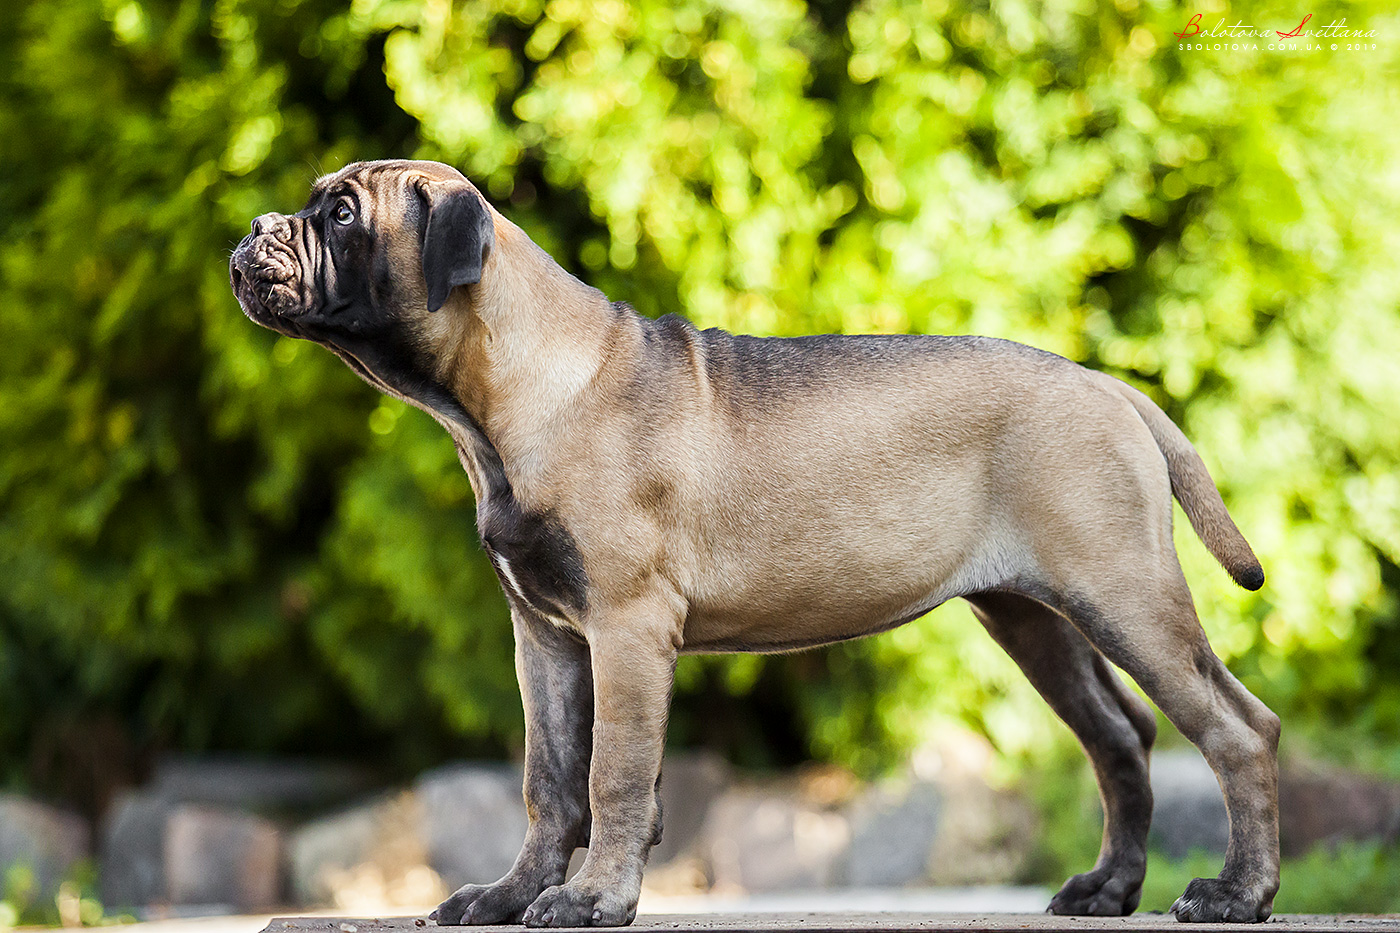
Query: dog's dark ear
point(457, 235)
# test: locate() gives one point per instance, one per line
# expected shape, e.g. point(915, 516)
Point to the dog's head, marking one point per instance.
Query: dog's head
point(377, 249)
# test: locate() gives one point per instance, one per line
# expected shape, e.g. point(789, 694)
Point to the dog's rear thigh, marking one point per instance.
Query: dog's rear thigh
point(1151, 631)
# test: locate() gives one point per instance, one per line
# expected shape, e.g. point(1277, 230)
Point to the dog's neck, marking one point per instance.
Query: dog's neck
point(534, 339)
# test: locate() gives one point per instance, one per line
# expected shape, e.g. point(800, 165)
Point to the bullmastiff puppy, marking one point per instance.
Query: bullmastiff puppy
point(646, 489)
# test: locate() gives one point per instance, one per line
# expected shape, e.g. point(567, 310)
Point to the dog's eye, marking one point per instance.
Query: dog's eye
point(344, 214)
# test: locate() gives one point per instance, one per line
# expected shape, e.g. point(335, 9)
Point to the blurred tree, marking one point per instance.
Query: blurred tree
point(227, 540)
point(181, 495)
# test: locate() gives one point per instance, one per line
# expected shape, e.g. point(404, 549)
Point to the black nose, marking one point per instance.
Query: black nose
point(268, 222)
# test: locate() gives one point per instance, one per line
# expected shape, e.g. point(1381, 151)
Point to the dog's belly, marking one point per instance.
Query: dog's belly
point(772, 598)
point(721, 629)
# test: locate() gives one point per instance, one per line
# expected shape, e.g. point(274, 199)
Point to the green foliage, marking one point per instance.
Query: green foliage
point(224, 540)
point(197, 518)
point(74, 904)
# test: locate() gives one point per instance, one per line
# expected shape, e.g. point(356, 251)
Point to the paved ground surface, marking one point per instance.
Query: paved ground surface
point(982, 898)
point(876, 922)
point(929, 910)
point(998, 899)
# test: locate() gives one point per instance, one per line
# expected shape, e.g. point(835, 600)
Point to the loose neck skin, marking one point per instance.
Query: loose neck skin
point(530, 339)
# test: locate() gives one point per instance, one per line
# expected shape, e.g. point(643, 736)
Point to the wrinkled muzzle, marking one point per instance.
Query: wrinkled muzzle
point(266, 271)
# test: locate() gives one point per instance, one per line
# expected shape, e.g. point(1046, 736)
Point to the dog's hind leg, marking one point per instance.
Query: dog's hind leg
point(556, 686)
point(1114, 726)
point(1147, 625)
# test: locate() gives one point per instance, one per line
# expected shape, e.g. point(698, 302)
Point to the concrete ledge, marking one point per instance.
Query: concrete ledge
point(879, 922)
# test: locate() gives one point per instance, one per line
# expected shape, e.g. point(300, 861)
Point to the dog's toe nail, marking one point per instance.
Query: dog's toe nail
point(433, 916)
point(597, 915)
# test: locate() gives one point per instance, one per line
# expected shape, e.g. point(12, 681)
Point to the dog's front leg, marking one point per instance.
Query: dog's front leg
point(634, 657)
point(556, 687)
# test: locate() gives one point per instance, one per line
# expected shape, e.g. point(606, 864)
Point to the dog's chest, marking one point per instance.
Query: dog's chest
point(536, 559)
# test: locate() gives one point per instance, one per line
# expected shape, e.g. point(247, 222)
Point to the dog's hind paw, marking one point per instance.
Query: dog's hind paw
point(1102, 892)
point(1214, 900)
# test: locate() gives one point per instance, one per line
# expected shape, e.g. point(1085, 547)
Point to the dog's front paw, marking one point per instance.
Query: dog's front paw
point(477, 904)
point(1102, 892)
point(1214, 900)
point(581, 905)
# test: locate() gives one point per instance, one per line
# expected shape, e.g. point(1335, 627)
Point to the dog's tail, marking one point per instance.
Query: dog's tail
point(1195, 490)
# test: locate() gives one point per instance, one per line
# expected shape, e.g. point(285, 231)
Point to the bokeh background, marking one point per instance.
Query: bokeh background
point(213, 539)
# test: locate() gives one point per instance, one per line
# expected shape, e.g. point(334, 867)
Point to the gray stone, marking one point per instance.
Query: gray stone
point(1188, 810)
point(46, 839)
point(132, 853)
point(258, 783)
point(690, 783)
point(320, 851)
point(985, 835)
point(372, 853)
point(945, 825)
point(893, 828)
point(769, 839)
point(225, 857)
point(1325, 806)
point(473, 820)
